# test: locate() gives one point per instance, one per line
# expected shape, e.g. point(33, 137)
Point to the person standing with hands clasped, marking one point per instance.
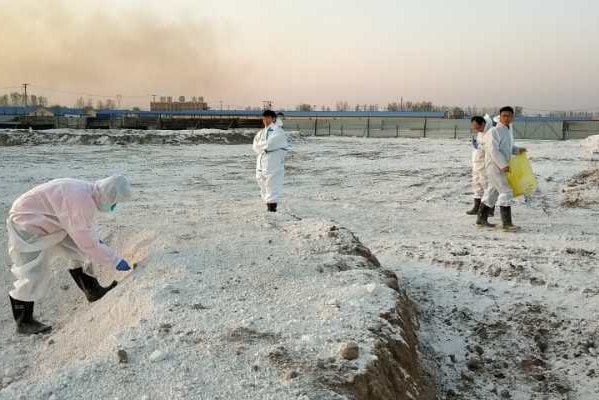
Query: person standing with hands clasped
point(270, 145)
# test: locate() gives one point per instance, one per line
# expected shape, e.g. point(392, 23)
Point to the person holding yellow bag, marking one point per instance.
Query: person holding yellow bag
point(521, 176)
point(499, 147)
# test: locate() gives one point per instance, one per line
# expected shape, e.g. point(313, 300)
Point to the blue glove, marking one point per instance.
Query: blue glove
point(474, 143)
point(123, 266)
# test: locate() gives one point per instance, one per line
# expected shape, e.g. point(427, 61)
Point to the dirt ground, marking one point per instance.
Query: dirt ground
point(502, 315)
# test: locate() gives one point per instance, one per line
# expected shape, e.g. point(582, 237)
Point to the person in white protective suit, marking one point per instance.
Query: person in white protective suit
point(479, 176)
point(270, 145)
point(279, 121)
point(499, 148)
point(58, 218)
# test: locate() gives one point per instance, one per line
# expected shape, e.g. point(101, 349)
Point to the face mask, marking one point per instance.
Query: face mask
point(279, 122)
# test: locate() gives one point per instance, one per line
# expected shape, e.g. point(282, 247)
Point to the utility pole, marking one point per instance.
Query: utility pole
point(25, 88)
point(118, 99)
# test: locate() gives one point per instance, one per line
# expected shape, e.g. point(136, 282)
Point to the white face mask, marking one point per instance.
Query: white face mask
point(279, 122)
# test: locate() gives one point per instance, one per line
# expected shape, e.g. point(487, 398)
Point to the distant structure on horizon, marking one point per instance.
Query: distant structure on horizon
point(573, 114)
point(166, 104)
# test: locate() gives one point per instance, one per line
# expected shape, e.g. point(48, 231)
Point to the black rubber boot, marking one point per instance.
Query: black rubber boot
point(89, 285)
point(23, 313)
point(271, 207)
point(483, 215)
point(506, 220)
point(492, 212)
point(475, 208)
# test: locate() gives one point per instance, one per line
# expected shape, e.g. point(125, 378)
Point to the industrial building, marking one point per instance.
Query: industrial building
point(166, 104)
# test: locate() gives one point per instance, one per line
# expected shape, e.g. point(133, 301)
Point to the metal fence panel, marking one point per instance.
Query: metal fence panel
point(448, 129)
point(412, 128)
point(353, 127)
point(539, 130)
point(435, 128)
point(581, 129)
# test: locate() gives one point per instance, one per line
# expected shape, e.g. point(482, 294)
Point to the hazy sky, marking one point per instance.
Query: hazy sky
point(540, 54)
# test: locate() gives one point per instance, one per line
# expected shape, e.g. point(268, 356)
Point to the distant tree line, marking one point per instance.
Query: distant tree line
point(410, 106)
point(573, 114)
point(99, 105)
point(16, 99)
point(472, 111)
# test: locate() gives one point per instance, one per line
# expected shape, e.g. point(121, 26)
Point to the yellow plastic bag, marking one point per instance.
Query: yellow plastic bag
point(521, 178)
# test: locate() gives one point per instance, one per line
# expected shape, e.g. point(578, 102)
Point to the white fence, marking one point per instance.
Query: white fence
point(435, 128)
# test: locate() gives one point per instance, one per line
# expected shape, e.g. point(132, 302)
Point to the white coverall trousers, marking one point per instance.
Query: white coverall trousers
point(479, 175)
point(270, 174)
point(31, 253)
point(499, 191)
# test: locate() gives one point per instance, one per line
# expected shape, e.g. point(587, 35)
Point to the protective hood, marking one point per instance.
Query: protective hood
point(488, 122)
point(110, 191)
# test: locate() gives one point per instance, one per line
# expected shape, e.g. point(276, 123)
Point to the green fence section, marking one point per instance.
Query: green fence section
point(581, 129)
point(435, 128)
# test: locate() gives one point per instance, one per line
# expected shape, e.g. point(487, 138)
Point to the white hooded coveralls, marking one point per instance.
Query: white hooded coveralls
point(58, 216)
point(479, 175)
point(499, 148)
point(270, 145)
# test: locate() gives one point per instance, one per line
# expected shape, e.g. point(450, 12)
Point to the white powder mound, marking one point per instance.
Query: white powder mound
point(93, 333)
point(590, 146)
point(224, 303)
point(582, 190)
point(102, 137)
